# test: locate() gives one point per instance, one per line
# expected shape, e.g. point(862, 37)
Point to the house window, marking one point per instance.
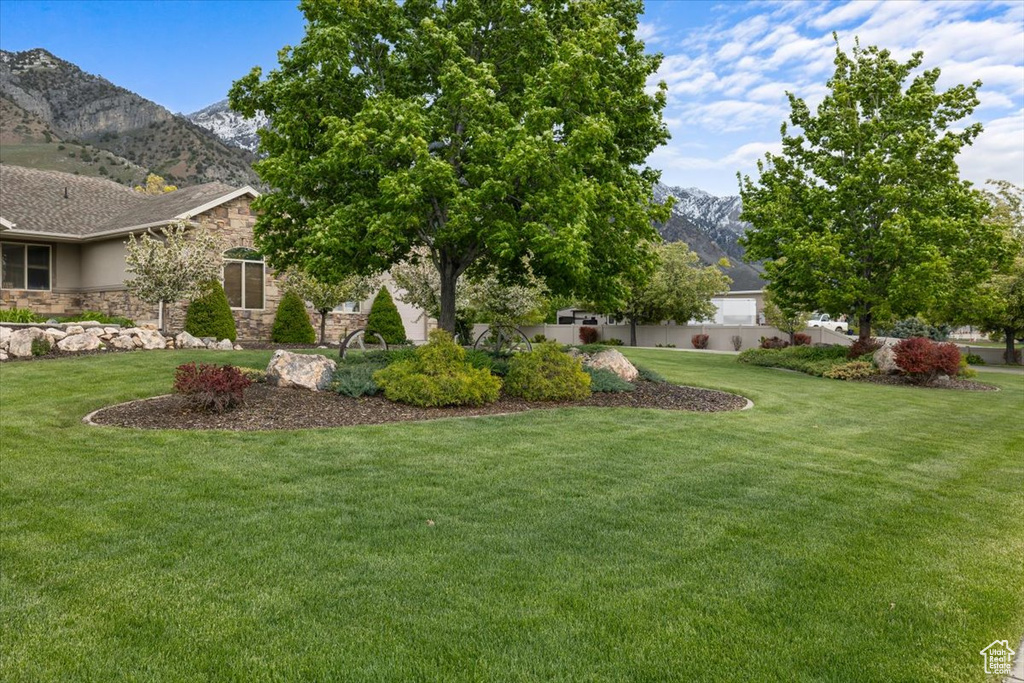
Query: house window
point(24, 266)
point(243, 277)
point(348, 307)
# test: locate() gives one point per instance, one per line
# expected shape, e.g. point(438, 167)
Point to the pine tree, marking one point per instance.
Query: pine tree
point(384, 319)
point(291, 323)
point(210, 315)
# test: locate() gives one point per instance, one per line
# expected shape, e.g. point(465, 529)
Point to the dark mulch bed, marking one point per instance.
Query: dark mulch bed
point(902, 381)
point(268, 407)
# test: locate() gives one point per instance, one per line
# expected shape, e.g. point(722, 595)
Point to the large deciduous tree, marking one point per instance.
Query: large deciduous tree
point(680, 288)
point(482, 130)
point(864, 211)
point(999, 304)
point(176, 265)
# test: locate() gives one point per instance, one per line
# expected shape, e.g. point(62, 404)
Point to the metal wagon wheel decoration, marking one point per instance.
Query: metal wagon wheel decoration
point(357, 341)
point(502, 339)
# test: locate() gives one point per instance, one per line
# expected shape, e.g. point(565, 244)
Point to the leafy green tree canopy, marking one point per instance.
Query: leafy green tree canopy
point(482, 130)
point(864, 212)
point(680, 289)
point(998, 306)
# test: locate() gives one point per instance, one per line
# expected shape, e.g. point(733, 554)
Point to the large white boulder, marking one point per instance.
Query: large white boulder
point(306, 371)
point(610, 359)
point(20, 343)
point(885, 360)
point(151, 339)
point(5, 337)
point(123, 341)
point(222, 345)
point(184, 340)
point(54, 334)
point(79, 342)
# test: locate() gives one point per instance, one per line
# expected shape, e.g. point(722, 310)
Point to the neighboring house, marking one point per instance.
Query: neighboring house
point(62, 250)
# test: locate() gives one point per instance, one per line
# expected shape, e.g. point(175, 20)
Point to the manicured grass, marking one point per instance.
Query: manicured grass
point(837, 531)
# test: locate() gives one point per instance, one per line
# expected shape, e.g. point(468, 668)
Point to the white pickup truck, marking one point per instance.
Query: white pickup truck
point(826, 321)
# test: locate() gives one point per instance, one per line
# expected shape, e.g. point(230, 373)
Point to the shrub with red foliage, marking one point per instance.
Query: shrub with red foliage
point(699, 341)
point(773, 343)
point(924, 360)
point(862, 347)
point(209, 387)
point(801, 339)
point(588, 335)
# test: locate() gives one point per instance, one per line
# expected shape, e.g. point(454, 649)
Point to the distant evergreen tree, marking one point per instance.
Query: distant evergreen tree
point(384, 318)
point(210, 315)
point(291, 323)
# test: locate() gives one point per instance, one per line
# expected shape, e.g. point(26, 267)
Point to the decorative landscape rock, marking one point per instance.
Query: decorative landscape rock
point(5, 337)
point(74, 329)
point(20, 343)
point(151, 339)
point(610, 359)
point(885, 360)
point(306, 371)
point(222, 345)
point(124, 342)
point(54, 334)
point(187, 341)
point(79, 342)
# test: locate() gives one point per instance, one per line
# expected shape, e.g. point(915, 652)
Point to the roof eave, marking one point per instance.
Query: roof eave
point(214, 203)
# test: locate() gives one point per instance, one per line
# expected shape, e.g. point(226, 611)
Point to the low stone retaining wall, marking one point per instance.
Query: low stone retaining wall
point(18, 339)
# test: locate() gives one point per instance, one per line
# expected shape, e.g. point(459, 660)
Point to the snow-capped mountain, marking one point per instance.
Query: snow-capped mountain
point(711, 226)
point(228, 125)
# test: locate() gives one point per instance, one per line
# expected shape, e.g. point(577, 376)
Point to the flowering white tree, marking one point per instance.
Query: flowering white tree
point(172, 267)
point(326, 297)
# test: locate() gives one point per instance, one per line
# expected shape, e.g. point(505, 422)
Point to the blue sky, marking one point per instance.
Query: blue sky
point(727, 64)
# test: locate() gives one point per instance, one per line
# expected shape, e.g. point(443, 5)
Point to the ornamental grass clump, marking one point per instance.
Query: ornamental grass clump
point(547, 374)
point(438, 375)
point(211, 387)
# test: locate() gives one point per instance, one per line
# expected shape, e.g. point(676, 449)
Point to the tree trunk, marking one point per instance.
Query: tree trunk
point(449, 279)
point(632, 332)
point(162, 318)
point(1010, 353)
point(865, 327)
point(323, 325)
point(792, 337)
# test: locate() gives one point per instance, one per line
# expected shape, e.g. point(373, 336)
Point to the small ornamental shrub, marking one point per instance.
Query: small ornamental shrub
point(547, 374)
point(254, 375)
point(41, 346)
point(210, 315)
point(355, 380)
point(924, 360)
point(964, 371)
point(211, 387)
point(291, 323)
point(495, 364)
point(813, 360)
point(19, 315)
point(648, 375)
point(974, 359)
point(588, 335)
point(863, 347)
point(605, 381)
point(380, 357)
point(773, 343)
point(612, 342)
point(801, 339)
point(384, 319)
point(438, 376)
point(857, 369)
point(664, 346)
point(737, 342)
point(101, 318)
point(700, 341)
point(539, 339)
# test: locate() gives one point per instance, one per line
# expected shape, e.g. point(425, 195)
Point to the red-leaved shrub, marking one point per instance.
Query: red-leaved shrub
point(801, 339)
point(924, 360)
point(699, 341)
point(588, 335)
point(773, 343)
point(209, 387)
point(862, 347)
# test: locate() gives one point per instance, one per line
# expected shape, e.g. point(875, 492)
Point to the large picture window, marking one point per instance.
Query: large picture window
point(24, 266)
point(243, 277)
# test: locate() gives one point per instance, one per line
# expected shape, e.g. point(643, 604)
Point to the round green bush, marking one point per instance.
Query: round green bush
point(439, 375)
point(547, 374)
point(384, 319)
point(291, 323)
point(210, 315)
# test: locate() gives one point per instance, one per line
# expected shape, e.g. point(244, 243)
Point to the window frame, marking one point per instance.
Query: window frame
point(25, 267)
point(242, 263)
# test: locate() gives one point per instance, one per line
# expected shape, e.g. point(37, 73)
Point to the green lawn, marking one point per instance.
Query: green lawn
point(835, 532)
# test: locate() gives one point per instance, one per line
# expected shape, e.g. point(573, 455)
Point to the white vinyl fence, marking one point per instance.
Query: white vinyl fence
point(680, 336)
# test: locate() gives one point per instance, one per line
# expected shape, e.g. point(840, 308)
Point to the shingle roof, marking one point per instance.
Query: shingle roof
point(67, 204)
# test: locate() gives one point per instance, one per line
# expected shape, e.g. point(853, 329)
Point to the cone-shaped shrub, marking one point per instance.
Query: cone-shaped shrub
point(210, 315)
point(291, 323)
point(384, 319)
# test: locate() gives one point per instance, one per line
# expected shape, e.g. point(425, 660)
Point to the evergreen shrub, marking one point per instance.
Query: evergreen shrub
point(547, 374)
point(210, 315)
point(384, 319)
point(291, 322)
point(605, 381)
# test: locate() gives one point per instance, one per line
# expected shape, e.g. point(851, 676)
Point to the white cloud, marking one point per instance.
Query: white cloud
point(998, 153)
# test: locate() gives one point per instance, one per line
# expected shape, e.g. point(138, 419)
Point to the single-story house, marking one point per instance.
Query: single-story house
point(62, 250)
